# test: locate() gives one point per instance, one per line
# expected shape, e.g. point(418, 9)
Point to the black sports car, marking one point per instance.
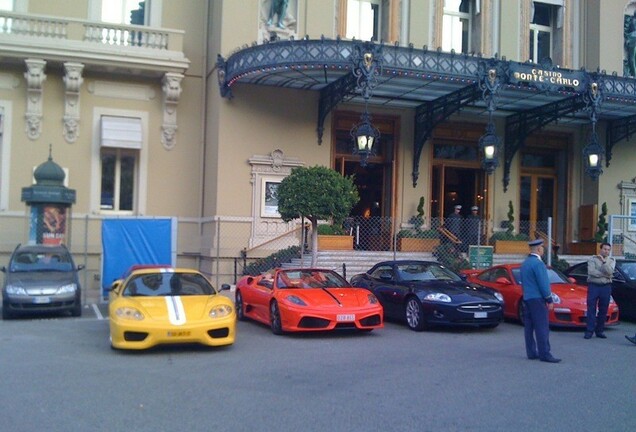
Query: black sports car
point(425, 293)
point(623, 285)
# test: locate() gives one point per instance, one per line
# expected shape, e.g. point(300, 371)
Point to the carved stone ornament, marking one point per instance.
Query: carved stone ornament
point(171, 86)
point(73, 82)
point(35, 77)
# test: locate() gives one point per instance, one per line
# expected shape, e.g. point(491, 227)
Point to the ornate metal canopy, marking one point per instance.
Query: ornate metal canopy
point(437, 84)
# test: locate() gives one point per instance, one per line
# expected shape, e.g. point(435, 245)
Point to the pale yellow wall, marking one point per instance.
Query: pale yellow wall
point(509, 29)
point(318, 19)
point(62, 8)
point(605, 47)
point(420, 22)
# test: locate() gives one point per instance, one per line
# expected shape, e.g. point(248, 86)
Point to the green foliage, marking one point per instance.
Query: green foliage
point(511, 218)
point(272, 261)
point(560, 264)
point(508, 235)
point(450, 257)
point(418, 220)
point(316, 193)
point(325, 229)
point(601, 226)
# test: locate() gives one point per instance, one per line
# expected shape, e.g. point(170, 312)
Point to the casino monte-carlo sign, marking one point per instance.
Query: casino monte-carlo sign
point(551, 79)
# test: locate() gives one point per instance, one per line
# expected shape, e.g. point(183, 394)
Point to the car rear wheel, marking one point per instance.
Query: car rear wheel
point(274, 318)
point(414, 314)
point(238, 303)
point(521, 310)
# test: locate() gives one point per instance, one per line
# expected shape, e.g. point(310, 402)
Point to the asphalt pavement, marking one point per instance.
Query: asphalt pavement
point(59, 374)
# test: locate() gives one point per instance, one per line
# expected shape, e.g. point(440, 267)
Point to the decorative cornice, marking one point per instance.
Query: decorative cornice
point(35, 77)
point(171, 86)
point(73, 82)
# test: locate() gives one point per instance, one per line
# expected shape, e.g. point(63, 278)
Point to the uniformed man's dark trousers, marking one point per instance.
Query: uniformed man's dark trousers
point(597, 295)
point(536, 324)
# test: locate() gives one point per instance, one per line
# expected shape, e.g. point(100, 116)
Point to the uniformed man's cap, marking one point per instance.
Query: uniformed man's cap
point(537, 242)
point(474, 208)
point(458, 207)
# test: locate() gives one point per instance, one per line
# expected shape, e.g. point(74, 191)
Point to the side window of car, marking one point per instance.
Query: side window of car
point(486, 276)
point(383, 273)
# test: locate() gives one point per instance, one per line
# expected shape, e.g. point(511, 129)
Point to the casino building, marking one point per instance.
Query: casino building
point(196, 110)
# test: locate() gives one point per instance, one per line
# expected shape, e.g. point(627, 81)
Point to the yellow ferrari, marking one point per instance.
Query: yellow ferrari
point(155, 305)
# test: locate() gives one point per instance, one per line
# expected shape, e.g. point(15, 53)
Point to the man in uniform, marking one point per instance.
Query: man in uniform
point(537, 298)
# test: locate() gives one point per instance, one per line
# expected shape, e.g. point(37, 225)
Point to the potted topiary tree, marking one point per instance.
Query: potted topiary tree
point(417, 239)
point(317, 193)
point(507, 242)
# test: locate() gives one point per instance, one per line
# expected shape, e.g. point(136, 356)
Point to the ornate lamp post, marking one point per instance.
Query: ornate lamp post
point(366, 59)
point(489, 143)
point(593, 153)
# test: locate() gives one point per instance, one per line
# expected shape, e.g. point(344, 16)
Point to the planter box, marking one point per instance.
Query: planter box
point(335, 242)
point(411, 244)
point(511, 247)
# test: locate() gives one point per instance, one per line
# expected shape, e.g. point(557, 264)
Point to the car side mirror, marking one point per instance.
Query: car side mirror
point(571, 280)
point(3, 269)
point(115, 285)
point(226, 287)
point(81, 267)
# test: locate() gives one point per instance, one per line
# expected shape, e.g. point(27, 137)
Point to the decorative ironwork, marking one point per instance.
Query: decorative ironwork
point(593, 153)
point(490, 82)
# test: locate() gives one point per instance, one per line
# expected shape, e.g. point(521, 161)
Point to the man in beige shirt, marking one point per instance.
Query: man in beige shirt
point(600, 269)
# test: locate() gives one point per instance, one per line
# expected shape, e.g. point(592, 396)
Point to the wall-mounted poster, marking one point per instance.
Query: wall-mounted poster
point(269, 198)
point(53, 224)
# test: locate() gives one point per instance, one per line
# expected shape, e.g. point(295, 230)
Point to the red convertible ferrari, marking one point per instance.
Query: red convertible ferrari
point(570, 299)
point(302, 300)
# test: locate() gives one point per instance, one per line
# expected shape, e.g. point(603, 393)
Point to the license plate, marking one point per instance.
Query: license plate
point(345, 317)
point(41, 300)
point(182, 333)
point(481, 314)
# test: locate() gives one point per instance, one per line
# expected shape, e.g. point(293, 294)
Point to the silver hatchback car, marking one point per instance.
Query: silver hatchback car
point(41, 278)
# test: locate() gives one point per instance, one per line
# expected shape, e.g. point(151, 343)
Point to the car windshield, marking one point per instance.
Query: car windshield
point(29, 261)
point(425, 272)
point(554, 276)
point(168, 284)
point(310, 278)
point(629, 269)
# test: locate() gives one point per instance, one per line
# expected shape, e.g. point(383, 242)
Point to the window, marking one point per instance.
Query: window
point(119, 162)
point(541, 29)
point(137, 12)
point(363, 19)
point(118, 179)
point(457, 25)
point(124, 11)
point(6, 5)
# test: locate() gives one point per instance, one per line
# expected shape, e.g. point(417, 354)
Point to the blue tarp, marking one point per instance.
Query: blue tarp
point(126, 242)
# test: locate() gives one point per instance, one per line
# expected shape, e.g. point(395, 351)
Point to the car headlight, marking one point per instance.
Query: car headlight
point(498, 296)
point(16, 290)
point(129, 313)
point(440, 297)
point(220, 311)
point(556, 299)
point(372, 299)
point(296, 300)
point(67, 289)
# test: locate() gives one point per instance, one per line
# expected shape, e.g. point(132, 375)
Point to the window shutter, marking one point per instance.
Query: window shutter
point(121, 132)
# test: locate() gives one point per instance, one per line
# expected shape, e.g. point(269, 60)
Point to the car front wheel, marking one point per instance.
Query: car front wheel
point(414, 314)
point(238, 303)
point(274, 318)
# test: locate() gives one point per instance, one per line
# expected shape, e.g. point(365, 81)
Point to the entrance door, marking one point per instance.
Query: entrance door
point(537, 203)
point(453, 185)
point(370, 219)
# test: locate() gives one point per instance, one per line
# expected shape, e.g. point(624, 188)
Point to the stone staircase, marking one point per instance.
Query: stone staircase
point(349, 263)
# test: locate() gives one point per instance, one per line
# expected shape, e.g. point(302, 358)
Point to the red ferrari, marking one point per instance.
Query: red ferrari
point(570, 300)
point(301, 300)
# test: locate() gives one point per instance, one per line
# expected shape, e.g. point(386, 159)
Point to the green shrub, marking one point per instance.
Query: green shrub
point(417, 233)
point(326, 229)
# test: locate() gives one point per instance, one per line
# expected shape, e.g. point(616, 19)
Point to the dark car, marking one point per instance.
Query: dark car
point(425, 293)
point(623, 285)
point(41, 278)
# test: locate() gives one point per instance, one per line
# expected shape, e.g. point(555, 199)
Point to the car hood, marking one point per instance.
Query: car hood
point(330, 297)
point(40, 280)
point(570, 292)
point(163, 307)
point(459, 291)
